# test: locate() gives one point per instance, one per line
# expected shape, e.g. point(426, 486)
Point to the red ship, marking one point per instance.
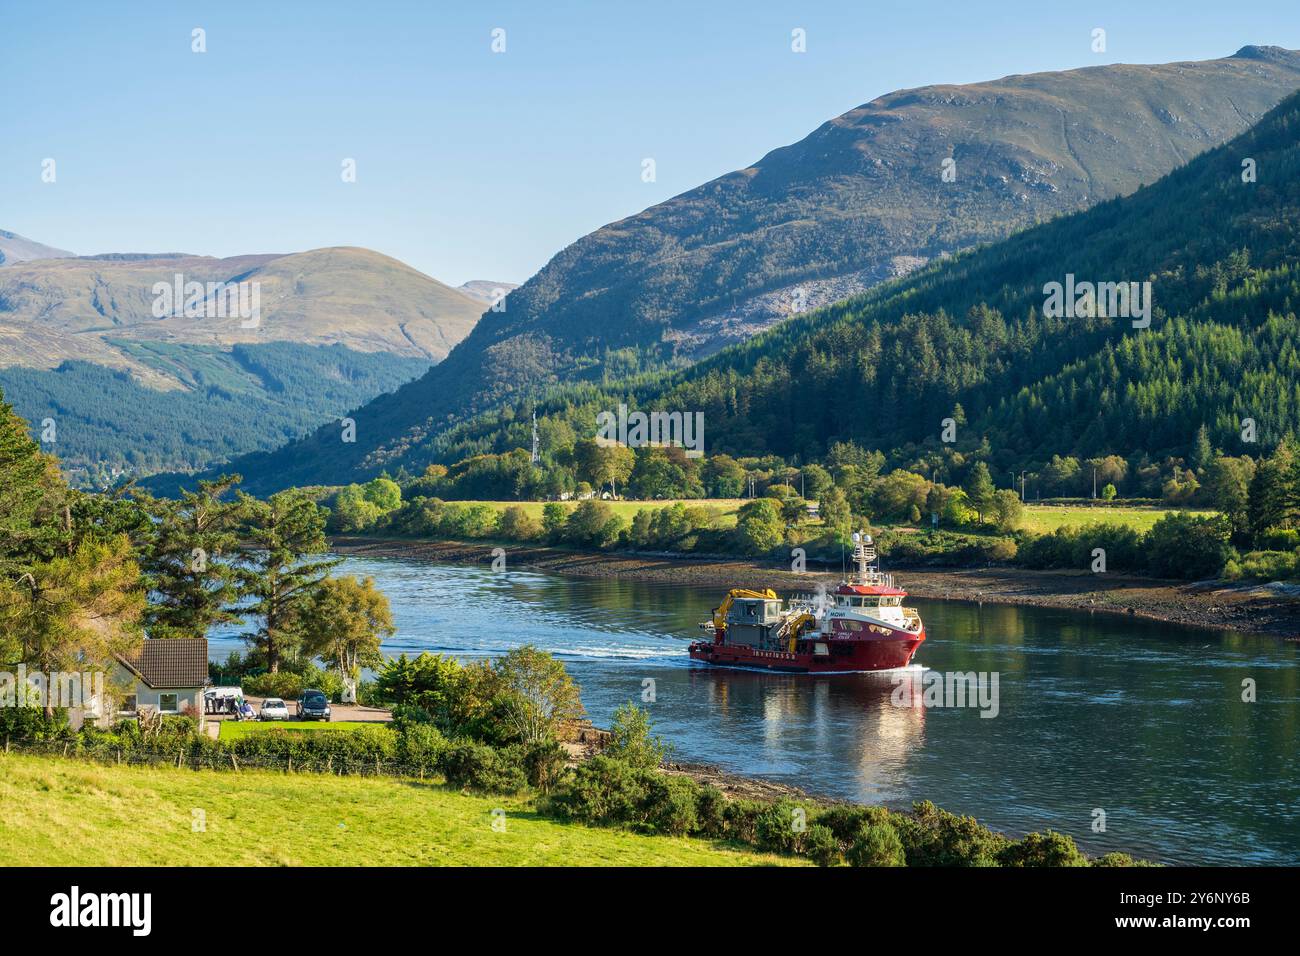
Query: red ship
point(861, 626)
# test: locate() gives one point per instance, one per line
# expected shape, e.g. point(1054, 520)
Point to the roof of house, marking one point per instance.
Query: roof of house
point(170, 662)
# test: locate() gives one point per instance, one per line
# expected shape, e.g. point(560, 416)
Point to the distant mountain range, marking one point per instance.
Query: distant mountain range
point(862, 199)
point(15, 248)
point(56, 309)
point(132, 392)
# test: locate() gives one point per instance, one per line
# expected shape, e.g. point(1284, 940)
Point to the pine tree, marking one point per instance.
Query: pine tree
point(33, 498)
point(979, 489)
point(281, 536)
point(1202, 452)
point(188, 562)
point(73, 613)
point(1272, 491)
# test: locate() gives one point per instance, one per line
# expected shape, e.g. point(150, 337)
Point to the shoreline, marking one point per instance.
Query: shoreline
point(1253, 609)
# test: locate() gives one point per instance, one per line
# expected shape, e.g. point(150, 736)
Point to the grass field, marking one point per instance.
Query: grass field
point(60, 812)
point(1044, 519)
point(233, 730)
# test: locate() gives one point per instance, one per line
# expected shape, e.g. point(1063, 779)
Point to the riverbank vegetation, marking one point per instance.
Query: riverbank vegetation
point(496, 728)
point(1230, 517)
point(784, 530)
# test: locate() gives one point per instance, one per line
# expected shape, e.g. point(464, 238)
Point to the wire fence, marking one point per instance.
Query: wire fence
point(217, 757)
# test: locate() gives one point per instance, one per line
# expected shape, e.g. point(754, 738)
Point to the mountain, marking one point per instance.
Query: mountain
point(108, 425)
point(14, 248)
point(485, 290)
point(1217, 242)
point(133, 393)
point(55, 310)
point(860, 200)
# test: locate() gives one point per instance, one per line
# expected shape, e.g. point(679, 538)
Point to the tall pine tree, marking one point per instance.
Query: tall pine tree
point(281, 537)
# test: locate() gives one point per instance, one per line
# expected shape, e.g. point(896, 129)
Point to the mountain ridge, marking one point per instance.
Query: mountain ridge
point(76, 309)
point(859, 200)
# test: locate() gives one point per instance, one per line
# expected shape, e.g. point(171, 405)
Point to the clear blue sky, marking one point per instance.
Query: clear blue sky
point(472, 164)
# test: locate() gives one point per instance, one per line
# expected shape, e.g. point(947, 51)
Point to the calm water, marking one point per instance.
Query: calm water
point(1140, 719)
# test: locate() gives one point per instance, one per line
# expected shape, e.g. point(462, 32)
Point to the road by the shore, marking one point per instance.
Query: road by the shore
point(1262, 609)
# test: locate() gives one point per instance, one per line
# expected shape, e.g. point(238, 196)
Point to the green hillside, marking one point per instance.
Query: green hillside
point(884, 369)
point(232, 402)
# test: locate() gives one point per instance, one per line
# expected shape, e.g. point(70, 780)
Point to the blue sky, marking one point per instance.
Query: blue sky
point(472, 164)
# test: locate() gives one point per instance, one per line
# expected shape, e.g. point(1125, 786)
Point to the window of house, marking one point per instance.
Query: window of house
point(167, 703)
point(128, 704)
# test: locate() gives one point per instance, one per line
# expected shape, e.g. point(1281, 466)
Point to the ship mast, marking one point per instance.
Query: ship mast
point(864, 555)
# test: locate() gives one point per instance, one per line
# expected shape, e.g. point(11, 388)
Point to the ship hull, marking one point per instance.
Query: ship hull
point(843, 655)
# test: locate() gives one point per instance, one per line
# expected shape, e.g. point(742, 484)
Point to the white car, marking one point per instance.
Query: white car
point(273, 708)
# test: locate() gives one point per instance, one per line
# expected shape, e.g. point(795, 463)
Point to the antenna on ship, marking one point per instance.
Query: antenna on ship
point(864, 554)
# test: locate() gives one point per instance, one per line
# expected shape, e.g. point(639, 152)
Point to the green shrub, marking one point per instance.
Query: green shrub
point(672, 804)
point(741, 818)
point(604, 790)
point(710, 811)
point(780, 826)
point(1182, 545)
point(516, 524)
point(475, 766)
point(1043, 849)
point(820, 845)
point(289, 684)
point(844, 820)
point(631, 739)
point(30, 723)
point(544, 764)
point(359, 750)
point(934, 837)
point(1264, 566)
point(420, 747)
point(876, 844)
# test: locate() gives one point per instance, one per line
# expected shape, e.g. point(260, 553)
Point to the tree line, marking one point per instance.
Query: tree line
point(84, 577)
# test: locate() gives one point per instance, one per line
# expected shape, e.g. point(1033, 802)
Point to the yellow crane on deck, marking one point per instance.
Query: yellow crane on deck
point(720, 612)
point(790, 629)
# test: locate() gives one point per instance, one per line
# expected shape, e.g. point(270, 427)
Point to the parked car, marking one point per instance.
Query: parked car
point(313, 705)
point(273, 708)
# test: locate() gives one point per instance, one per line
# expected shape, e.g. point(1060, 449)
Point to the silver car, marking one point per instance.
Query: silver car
point(273, 708)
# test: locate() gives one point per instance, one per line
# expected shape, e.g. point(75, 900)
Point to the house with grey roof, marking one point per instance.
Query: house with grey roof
point(166, 675)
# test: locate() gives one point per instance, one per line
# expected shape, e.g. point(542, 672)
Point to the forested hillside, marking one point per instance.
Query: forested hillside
point(859, 200)
point(885, 369)
point(107, 424)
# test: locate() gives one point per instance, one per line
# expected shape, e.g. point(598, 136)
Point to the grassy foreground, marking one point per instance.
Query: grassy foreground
point(60, 812)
